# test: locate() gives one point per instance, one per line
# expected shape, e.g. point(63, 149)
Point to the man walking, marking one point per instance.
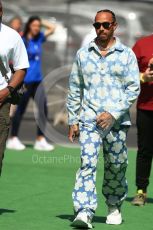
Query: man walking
point(144, 52)
point(103, 85)
point(12, 48)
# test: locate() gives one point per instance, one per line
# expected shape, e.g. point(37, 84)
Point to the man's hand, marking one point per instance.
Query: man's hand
point(4, 93)
point(73, 132)
point(104, 120)
point(148, 75)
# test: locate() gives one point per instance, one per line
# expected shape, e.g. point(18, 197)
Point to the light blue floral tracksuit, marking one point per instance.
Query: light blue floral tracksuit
point(99, 84)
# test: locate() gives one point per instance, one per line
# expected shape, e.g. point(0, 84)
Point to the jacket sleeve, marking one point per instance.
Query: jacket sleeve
point(75, 92)
point(131, 87)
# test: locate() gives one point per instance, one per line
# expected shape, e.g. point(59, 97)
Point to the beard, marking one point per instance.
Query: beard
point(104, 36)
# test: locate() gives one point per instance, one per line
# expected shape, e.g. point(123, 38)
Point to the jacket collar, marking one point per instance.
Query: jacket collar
point(118, 46)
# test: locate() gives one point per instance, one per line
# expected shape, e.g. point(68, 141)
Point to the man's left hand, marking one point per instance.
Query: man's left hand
point(4, 93)
point(104, 120)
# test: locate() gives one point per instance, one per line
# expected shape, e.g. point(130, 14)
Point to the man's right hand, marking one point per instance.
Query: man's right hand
point(148, 75)
point(73, 132)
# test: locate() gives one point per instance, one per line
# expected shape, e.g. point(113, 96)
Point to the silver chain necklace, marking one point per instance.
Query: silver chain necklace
point(104, 49)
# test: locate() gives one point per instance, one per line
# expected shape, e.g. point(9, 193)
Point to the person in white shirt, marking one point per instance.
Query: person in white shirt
point(88, 38)
point(12, 48)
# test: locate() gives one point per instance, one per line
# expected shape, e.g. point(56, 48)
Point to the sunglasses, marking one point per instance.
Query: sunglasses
point(105, 25)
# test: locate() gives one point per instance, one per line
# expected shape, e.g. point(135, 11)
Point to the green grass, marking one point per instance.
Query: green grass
point(37, 195)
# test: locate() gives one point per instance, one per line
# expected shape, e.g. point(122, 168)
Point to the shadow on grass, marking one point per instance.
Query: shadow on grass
point(29, 146)
point(149, 200)
point(3, 211)
point(96, 219)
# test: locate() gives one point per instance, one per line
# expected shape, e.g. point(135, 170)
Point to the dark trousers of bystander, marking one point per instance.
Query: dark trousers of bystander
point(30, 93)
point(145, 148)
point(4, 129)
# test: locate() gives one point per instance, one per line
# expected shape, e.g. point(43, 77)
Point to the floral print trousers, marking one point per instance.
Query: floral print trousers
point(115, 164)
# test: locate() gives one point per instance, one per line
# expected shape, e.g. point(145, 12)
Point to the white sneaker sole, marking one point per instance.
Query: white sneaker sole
point(42, 149)
point(16, 149)
point(114, 222)
point(78, 223)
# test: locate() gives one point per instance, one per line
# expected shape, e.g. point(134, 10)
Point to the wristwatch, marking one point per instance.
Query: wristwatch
point(11, 89)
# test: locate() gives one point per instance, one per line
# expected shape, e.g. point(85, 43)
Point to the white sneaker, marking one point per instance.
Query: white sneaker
point(15, 143)
point(82, 221)
point(114, 217)
point(43, 145)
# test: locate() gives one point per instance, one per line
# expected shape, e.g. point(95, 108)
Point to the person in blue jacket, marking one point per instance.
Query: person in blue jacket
point(33, 39)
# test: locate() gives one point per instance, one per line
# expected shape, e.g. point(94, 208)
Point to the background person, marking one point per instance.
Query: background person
point(16, 23)
point(33, 39)
point(89, 37)
point(144, 53)
point(103, 85)
point(12, 48)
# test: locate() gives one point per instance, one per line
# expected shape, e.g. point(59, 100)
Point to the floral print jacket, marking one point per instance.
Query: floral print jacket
point(99, 84)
